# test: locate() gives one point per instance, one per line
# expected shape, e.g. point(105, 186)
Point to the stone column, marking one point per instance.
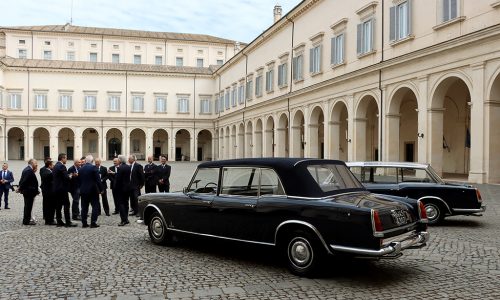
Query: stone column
point(29, 143)
point(149, 143)
point(54, 143)
point(78, 143)
point(392, 142)
point(477, 171)
point(334, 140)
point(435, 140)
point(193, 140)
point(312, 145)
point(423, 128)
point(281, 142)
point(171, 155)
point(359, 141)
point(104, 143)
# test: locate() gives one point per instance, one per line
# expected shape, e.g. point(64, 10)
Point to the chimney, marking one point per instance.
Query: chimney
point(277, 12)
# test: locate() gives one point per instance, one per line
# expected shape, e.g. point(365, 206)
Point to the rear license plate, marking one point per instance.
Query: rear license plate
point(399, 217)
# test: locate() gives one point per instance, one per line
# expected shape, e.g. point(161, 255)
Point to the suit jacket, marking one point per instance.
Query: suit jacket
point(28, 184)
point(89, 181)
point(163, 172)
point(103, 174)
point(9, 177)
point(60, 183)
point(122, 179)
point(136, 176)
point(150, 174)
point(112, 177)
point(74, 182)
point(47, 180)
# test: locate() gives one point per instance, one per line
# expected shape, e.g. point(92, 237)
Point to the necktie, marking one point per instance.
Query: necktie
point(4, 175)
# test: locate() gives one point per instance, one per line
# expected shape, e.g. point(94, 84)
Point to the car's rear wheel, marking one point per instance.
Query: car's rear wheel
point(304, 253)
point(434, 213)
point(158, 230)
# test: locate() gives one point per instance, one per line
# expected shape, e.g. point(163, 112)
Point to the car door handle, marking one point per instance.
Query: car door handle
point(250, 205)
point(206, 201)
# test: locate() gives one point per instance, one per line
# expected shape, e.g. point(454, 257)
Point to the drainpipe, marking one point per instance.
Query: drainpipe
point(291, 84)
point(245, 98)
point(27, 134)
point(195, 136)
point(380, 90)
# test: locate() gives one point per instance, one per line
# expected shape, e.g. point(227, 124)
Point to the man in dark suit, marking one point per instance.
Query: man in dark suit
point(150, 176)
point(163, 175)
point(122, 188)
point(6, 178)
point(60, 189)
point(48, 204)
point(136, 183)
point(111, 176)
point(103, 175)
point(28, 186)
point(74, 189)
point(90, 188)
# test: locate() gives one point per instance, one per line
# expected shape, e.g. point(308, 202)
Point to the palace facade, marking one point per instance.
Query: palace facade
point(352, 80)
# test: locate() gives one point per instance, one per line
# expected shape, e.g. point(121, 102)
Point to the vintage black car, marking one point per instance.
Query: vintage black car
point(421, 182)
point(307, 208)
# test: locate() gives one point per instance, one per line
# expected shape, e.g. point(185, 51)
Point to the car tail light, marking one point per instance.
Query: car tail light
point(376, 223)
point(421, 211)
point(478, 194)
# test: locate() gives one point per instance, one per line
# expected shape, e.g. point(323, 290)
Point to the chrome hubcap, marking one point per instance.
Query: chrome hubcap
point(300, 252)
point(432, 212)
point(157, 228)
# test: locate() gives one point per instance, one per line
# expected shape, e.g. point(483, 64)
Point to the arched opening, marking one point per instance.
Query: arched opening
point(366, 125)
point(258, 139)
point(282, 136)
point(204, 145)
point(248, 139)
point(160, 143)
point(66, 141)
point(233, 146)
point(138, 144)
point(450, 125)
point(493, 138)
point(90, 142)
point(182, 145)
point(317, 133)
point(298, 132)
point(41, 144)
point(221, 144)
point(241, 141)
point(114, 141)
point(339, 131)
point(15, 138)
point(402, 126)
point(269, 138)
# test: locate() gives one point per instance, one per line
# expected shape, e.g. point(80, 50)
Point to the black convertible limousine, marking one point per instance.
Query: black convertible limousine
point(307, 208)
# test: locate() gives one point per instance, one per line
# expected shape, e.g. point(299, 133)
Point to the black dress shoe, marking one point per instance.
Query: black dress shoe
point(70, 225)
point(133, 213)
point(50, 223)
point(60, 224)
point(85, 225)
point(94, 225)
point(29, 223)
point(116, 212)
point(123, 223)
point(7, 207)
point(77, 218)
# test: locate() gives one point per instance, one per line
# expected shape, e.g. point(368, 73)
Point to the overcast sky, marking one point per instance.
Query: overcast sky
point(241, 20)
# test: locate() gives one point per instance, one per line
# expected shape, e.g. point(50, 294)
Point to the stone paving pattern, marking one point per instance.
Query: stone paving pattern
point(462, 261)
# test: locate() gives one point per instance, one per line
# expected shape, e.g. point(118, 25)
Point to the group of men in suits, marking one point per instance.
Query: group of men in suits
point(86, 182)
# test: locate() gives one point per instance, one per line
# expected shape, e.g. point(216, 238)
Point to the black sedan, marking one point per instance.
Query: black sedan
point(420, 181)
point(306, 208)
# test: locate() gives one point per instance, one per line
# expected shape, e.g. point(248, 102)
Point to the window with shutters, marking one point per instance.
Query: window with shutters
point(161, 104)
point(270, 80)
point(90, 103)
point(14, 101)
point(400, 21)
point(337, 56)
point(234, 95)
point(298, 67)
point(226, 100)
point(241, 93)
point(221, 102)
point(258, 86)
point(137, 103)
point(365, 37)
point(65, 102)
point(183, 104)
point(249, 88)
point(115, 58)
point(315, 60)
point(282, 75)
point(216, 106)
point(70, 55)
point(40, 102)
point(205, 106)
point(158, 60)
point(22, 53)
point(114, 103)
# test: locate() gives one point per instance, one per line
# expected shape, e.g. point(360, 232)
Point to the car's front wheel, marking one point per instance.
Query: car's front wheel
point(158, 230)
point(304, 253)
point(434, 213)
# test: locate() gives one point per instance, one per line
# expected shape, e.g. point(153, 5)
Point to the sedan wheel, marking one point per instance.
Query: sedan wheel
point(434, 214)
point(303, 253)
point(158, 230)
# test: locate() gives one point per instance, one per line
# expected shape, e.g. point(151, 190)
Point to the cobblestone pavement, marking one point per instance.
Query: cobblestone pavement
point(462, 261)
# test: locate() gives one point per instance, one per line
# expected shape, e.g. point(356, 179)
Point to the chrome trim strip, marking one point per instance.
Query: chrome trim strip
point(158, 210)
point(436, 198)
point(330, 196)
point(382, 233)
point(304, 224)
point(471, 210)
point(219, 237)
point(394, 248)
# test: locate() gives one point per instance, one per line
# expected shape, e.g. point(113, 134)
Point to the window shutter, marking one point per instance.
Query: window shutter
point(311, 60)
point(372, 34)
point(334, 51)
point(319, 58)
point(446, 10)
point(453, 9)
point(294, 68)
point(359, 38)
point(408, 17)
point(393, 22)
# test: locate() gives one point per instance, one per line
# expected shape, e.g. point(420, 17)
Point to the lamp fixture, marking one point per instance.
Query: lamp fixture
point(420, 135)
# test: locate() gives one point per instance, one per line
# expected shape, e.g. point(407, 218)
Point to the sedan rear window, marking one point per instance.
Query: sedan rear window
point(333, 177)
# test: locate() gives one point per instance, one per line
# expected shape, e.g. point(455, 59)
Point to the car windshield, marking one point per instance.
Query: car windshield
point(332, 177)
point(434, 175)
point(205, 181)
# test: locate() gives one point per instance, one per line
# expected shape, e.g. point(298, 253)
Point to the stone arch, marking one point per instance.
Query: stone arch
point(366, 128)
point(492, 115)
point(249, 139)
point(339, 127)
point(227, 138)
point(66, 142)
point(137, 146)
point(114, 141)
point(449, 117)
point(282, 136)
point(16, 144)
point(90, 142)
point(316, 137)
point(41, 143)
point(160, 143)
point(259, 136)
point(183, 145)
point(269, 137)
point(241, 141)
point(204, 147)
point(298, 134)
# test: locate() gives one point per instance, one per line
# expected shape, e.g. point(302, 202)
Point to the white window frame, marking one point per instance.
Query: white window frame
point(114, 103)
point(450, 10)
point(159, 60)
point(161, 104)
point(270, 80)
point(93, 56)
point(283, 75)
point(315, 62)
point(258, 85)
point(241, 92)
point(14, 101)
point(179, 61)
point(226, 100)
point(298, 67)
point(338, 49)
point(400, 21)
point(24, 55)
point(65, 102)
point(70, 56)
point(47, 54)
point(198, 60)
point(234, 95)
point(115, 58)
point(40, 102)
point(205, 107)
point(183, 104)
point(220, 62)
point(365, 36)
point(137, 59)
point(249, 89)
point(90, 103)
point(216, 105)
point(137, 103)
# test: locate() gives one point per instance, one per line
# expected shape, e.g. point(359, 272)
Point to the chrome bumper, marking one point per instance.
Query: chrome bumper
point(393, 248)
point(470, 211)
